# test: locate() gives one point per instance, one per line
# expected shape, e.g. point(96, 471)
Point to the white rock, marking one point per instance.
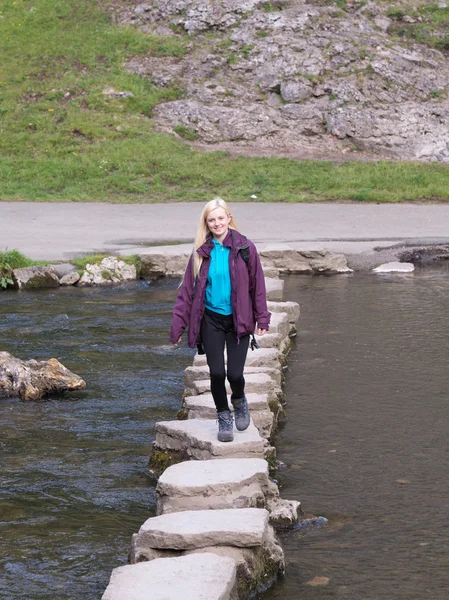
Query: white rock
point(275, 288)
point(35, 277)
point(200, 485)
point(197, 439)
point(201, 576)
point(257, 383)
point(263, 357)
point(395, 267)
point(70, 278)
point(110, 270)
point(291, 308)
point(201, 528)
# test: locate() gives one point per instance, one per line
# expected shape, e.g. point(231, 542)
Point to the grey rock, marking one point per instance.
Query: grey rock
point(62, 269)
point(35, 277)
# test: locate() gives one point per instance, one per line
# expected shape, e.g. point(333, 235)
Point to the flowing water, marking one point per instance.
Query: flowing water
point(74, 481)
point(365, 444)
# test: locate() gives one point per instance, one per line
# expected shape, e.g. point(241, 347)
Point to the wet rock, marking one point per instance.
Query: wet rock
point(32, 379)
point(311, 524)
point(197, 439)
point(198, 529)
point(201, 576)
point(63, 269)
point(257, 566)
point(70, 278)
point(289, 260)
point(35, 277)
point(110, 270)
point(395, 267)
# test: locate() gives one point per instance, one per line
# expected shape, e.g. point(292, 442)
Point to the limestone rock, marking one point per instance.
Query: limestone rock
point(197, 439)
point(289, 260)
point(257, 567)
point(275, 288)
point(257, 383)
point(62, 269)
point(194, 529)
point(32, 379)
point(237, 483)
point(70, 278)
point(291, 308)
point(201, 576)
point(35, 277)
point(193, 374)
point(110, 270)
point(263, 357)
point(161, 262)
point(395, 267)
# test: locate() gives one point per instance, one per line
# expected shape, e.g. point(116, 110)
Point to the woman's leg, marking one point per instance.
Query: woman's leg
point(213, 338)
point(236, 353)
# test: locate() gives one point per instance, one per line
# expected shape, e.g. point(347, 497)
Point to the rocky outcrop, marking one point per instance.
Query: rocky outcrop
point(292, 76)
point(35, 277)
point(32, 379)
point(110, 270)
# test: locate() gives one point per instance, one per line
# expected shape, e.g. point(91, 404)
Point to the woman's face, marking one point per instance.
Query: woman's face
point(218, 222)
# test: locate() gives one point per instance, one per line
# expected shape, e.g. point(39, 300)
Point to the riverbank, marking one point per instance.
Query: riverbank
point(368, 235)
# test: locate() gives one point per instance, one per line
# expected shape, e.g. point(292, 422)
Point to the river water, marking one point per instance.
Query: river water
point(365, 444)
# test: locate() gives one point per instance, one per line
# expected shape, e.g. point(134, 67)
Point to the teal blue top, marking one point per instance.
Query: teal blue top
point(218, 287)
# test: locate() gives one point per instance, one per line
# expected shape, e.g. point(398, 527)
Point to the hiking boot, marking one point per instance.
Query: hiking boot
point(241, 413)
point(225, 426)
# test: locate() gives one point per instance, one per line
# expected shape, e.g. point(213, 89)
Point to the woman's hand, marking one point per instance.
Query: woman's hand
point(176, 343)
point(261, 331)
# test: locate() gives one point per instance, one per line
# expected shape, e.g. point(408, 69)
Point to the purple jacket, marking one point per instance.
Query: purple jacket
point(248, 295)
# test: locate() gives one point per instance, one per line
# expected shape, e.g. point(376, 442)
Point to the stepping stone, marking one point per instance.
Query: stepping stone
point(237, 483)
point(199, 485)
point(275, 288)
point(263, 357)
point(192, 374)
point(194, 529)
point(203, 576)
point(279, 324)
point(203, 407)
point(197, 439)
point(256, 383)
point(291, 308)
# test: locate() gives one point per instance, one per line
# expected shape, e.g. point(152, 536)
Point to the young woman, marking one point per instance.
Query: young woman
point(220, 300)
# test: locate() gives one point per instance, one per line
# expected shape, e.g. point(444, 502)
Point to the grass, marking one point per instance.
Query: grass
point(10, 260)
point(62, 139)
point(432, 29)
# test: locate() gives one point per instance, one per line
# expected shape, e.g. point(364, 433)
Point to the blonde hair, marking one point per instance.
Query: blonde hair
point(203, 230)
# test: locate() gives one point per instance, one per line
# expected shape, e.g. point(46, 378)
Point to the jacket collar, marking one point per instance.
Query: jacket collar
point(234, 239)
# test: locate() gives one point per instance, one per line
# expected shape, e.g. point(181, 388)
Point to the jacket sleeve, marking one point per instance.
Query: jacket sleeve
point(257, 289)
point(183, 304)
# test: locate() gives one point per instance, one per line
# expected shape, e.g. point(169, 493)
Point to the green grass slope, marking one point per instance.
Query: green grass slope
point(63, 139)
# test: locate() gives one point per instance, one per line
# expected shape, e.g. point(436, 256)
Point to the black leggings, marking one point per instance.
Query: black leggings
point(216, 331)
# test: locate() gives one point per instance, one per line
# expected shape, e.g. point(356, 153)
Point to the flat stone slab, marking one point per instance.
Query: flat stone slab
point(203, 407)
point(199, 485)
point(192, 374)
point(197, 438)
point(280, 324)
point(291, 308)
point(275, 288)
point(263, 357)
point(395, 267)
point(256, 383)
point(193, 529)
point(201, 576)
point(204, 403)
